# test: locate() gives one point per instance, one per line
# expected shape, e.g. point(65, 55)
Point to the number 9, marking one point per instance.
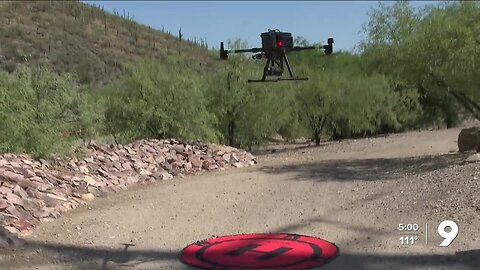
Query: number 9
point(448, 236)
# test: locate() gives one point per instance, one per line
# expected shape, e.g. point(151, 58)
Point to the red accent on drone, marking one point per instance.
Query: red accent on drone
point(280, 44)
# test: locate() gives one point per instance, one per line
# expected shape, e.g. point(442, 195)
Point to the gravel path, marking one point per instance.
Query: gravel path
point(353, 193)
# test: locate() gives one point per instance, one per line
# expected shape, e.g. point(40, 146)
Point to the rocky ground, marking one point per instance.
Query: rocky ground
point(353, 193)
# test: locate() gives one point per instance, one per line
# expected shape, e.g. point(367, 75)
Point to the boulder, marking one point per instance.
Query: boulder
point(195, 161)
point(89, 180)
point(12, 176)
point(88, 196)
point(3, 204)
point(5, 191)
point(469, 139)
point(166, 176)
point(15, 199)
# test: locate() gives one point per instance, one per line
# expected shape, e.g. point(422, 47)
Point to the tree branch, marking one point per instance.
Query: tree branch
point(467, 102)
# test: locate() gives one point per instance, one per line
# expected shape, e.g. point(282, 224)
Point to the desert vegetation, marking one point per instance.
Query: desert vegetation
point(415, 69)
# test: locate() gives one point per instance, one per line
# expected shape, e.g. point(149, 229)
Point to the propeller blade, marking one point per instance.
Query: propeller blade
point(223, 52)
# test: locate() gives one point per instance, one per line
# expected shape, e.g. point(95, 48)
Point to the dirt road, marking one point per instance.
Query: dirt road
point(353, 193)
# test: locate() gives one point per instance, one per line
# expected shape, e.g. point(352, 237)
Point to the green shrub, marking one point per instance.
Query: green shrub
point(159, 100)
point(41, 112)
point(434, 51)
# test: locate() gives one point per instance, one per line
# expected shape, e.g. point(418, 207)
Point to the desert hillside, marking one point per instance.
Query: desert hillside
point(74, 37)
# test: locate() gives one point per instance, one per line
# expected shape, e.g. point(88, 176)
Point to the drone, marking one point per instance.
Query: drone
point(275, 46)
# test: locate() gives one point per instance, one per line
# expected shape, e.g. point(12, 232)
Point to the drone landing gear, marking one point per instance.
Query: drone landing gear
point(280, 79)
point(271, 70)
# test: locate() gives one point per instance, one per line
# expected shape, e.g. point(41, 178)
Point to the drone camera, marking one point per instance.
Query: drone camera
point(275, 71)
point(258, 56)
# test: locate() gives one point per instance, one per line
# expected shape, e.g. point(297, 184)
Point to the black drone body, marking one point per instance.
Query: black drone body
point(275, 46)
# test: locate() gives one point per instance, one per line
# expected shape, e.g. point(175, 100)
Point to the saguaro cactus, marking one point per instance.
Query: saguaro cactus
point(105, 21)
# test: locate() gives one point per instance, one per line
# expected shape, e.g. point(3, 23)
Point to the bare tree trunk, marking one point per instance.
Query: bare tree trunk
point(467, 102)
point(317, 139)
point(318, 131)
point(231, 133)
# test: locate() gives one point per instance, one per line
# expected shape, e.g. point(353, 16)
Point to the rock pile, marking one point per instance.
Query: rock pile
point(33, 191)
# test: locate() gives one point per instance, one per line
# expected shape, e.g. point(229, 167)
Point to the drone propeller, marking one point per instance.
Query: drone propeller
point(223, 53)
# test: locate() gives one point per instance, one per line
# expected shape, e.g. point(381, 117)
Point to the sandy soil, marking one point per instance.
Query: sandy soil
point(353, 193)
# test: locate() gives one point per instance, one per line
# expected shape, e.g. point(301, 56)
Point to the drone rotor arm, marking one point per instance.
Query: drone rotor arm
point(252, 50)
point(297, 48)
point(224, 53)
point(327, 48)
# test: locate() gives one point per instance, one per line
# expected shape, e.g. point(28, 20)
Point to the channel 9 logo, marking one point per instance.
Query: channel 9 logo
point(449, 236)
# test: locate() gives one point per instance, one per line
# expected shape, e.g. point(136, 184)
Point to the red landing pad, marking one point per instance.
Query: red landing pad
point(260, 251)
